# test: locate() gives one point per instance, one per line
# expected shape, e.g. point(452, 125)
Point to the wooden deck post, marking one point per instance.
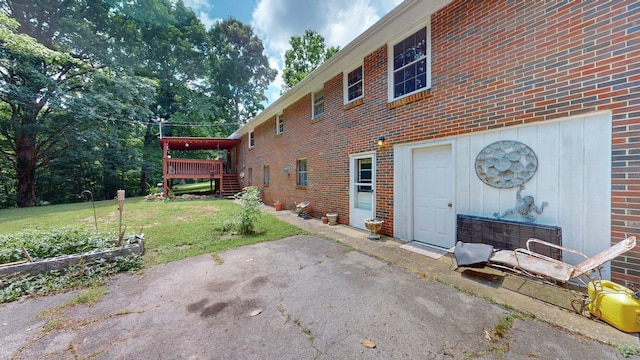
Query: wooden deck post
point(165, 170)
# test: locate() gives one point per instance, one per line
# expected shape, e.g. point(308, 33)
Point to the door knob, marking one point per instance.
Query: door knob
point(449, 204)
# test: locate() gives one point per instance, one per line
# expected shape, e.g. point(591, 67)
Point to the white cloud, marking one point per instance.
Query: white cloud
point(339, 22)
point(202, 8)
point(276, 21)
point(207, 21)
point(347, 22)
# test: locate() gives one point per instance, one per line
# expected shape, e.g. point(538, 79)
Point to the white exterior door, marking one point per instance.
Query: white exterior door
point(362, 189)
point(433, 213)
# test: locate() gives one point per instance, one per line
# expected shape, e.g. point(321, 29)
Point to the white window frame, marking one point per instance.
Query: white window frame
point(315, 103)
point(302, 173)
point(390, 54)
point(346, 83)
point(266, 177)
point(252, 139)
point(279, 124)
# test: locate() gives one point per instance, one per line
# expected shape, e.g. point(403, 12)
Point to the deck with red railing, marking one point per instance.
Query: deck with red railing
point(214, 170)
point(193, 169)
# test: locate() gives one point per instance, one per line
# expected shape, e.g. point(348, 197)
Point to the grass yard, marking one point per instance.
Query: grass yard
point(200, 187)
point(173, 230)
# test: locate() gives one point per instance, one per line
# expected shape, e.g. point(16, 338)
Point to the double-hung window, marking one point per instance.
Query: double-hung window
point(279, 124)
point(354, 84)
point(252, 139)
point(411, 64)
point(318, 103)
point(302, 172)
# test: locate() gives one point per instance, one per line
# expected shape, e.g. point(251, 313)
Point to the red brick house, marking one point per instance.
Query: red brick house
point(439, 82)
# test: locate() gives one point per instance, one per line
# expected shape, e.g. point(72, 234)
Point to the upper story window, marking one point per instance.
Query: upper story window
point(302, 172)
point(354, 84)
point(252, 139)
point(318, 103)
point(279, 124)
point(411, 64)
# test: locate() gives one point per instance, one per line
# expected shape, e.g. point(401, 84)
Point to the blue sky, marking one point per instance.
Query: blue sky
point(276, 21)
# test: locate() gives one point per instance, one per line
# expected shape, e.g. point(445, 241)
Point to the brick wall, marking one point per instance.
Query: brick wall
point(494, 64)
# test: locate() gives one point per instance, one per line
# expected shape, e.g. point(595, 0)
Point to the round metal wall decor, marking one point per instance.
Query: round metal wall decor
point(506, 164)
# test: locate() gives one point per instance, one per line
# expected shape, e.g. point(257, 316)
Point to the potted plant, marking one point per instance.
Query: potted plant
point(277, 205)
point(333, 218)
point(374, 226)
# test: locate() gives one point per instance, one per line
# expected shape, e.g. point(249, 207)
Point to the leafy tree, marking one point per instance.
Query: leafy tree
point(35, 82)
point(239, 71)
point(165, 41)
point(83, 85)
point(306, 54)
point(129, 38)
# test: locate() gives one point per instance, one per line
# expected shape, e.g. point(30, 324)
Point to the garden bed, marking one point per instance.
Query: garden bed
point(133, 245)
point(36, 262)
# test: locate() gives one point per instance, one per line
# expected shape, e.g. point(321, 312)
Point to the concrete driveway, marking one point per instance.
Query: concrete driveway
point(303, 297)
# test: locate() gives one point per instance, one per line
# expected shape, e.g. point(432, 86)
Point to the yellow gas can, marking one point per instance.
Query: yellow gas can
point(614, 304)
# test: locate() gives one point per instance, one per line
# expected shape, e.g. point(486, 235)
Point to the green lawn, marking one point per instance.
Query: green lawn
point(173, 229)
point(193, 188)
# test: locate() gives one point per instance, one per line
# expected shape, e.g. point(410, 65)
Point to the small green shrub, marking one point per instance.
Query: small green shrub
point(250, 211)
point(228, 225)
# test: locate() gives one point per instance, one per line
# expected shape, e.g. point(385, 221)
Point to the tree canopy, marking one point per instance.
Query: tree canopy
point(84, 84)
point(306, 54)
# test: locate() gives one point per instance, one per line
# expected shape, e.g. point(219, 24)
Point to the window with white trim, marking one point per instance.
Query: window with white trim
point(318, 103)
point(302, 172)
point(411, 64)
point(354, 84)
point(279, 124)
point(251, 139)
point(267, 175)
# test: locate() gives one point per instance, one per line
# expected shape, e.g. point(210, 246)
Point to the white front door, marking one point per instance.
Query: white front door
point(433, 213)
point(362, 192)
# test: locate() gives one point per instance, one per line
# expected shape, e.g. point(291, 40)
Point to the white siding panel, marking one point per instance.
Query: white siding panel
point(597, 173)
point(571, 184)
point(573, 176)
point(547, 150)
point(464, 172)
point(402, 195)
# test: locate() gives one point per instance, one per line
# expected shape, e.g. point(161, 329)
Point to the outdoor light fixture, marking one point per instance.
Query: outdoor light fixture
point(381, 141)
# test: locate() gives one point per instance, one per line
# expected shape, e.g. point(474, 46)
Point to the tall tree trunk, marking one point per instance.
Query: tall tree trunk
point(26, 170)
point(149, 140)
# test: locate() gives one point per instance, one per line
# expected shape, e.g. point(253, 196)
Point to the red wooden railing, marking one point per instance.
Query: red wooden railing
point(193, 169)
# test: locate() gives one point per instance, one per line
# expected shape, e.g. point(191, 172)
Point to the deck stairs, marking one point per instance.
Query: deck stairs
point(230, 185)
